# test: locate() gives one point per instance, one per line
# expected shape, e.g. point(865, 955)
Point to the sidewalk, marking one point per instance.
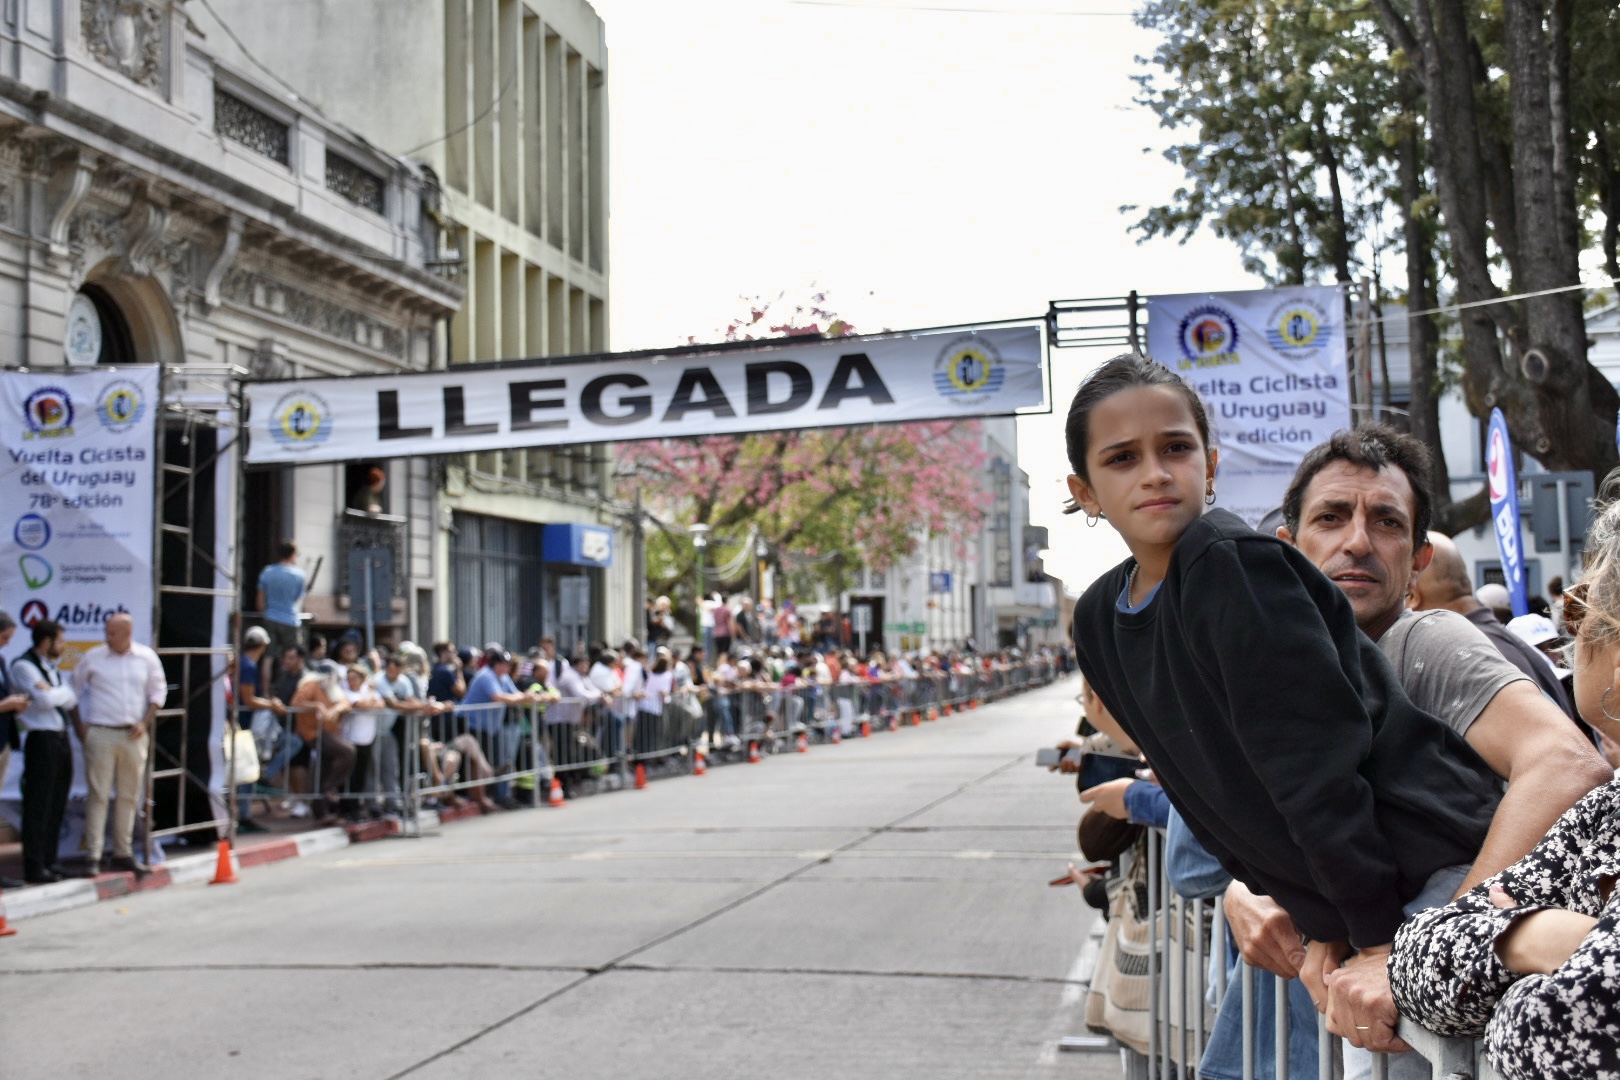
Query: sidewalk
point(252, 849)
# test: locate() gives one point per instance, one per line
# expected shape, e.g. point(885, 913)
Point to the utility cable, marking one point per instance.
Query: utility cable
point(496, 100)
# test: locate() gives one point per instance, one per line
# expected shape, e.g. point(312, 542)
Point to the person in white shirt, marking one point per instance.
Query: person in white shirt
point(120, 685)
point(656, 684)
point(573, 684)
point(607, 680)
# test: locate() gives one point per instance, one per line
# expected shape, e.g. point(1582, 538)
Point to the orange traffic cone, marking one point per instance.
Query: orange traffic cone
point(894, 722)
point(933, 714)
point(225, 869)
point(866, 729)
point(699, 765)
point(802, 744)
point(837, 736)
point(641, 776)
point(753, 753)
point(555, 797)
point(5, 930)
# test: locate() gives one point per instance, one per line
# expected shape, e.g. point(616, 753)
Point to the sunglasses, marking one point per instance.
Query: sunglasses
point(1575, 607)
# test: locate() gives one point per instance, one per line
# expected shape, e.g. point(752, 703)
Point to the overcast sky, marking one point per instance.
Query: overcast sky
point(923, 166)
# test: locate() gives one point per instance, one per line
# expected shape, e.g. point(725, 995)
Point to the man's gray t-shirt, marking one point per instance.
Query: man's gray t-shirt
point(1446, 665)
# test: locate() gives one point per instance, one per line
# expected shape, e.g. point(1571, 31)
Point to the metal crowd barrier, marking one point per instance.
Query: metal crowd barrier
point(420, 760)
point(1183, 1001)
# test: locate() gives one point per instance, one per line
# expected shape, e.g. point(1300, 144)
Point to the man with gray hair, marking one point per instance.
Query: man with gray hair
point(120, 686)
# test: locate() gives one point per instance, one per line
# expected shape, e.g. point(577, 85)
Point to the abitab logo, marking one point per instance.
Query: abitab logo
point(36, 572)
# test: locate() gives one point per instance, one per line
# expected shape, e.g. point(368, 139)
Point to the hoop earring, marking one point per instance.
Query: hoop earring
point(1209, 499)
point(1091, 520)
point(1604, 705)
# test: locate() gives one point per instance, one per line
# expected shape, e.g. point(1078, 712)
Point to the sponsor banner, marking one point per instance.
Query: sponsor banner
point(76, 495)
point(1271, 366)
point(775, 385)
point(1503, 483)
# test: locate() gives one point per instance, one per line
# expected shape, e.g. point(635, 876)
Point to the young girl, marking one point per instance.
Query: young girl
point(1277, 729)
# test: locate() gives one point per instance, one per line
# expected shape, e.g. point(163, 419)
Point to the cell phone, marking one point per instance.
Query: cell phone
point(1047, 757)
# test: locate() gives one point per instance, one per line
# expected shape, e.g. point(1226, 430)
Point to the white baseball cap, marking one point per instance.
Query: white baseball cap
point(1533, 629)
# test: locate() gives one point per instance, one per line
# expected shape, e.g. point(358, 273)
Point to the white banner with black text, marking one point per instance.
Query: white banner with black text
point(1271, 366)
point(767, 386)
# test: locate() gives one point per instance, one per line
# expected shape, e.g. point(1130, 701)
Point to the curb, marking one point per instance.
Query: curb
point(39, 900)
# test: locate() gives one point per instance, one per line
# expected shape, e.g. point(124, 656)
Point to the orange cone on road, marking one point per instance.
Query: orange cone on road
point(933, 714)
point(5, 930)
point(837, 736)
point(802, 744)
point(555, 797)
point(753, 753)
point(699, 765)
point(225, 869)
point(641, 776)
point(866, 729)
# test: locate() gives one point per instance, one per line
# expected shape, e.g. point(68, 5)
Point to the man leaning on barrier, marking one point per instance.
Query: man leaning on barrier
point(1358, 507)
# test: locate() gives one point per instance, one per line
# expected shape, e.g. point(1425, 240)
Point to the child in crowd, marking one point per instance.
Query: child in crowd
point(1276, 727)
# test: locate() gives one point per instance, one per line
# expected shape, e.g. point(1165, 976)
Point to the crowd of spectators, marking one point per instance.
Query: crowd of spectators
point(1414, 820)
point(327, 720)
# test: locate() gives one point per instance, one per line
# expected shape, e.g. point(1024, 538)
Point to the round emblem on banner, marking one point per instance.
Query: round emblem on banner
point(1299, 328)
point(1496, 466)
point(81, 345)
point(300, 420)
point(121, 406)
point(969, 369)
point(1208, 332)
point(48, 412)
point(32, 612)
point(31, 532)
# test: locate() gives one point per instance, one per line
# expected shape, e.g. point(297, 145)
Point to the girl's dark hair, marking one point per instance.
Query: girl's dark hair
point(1123, 372)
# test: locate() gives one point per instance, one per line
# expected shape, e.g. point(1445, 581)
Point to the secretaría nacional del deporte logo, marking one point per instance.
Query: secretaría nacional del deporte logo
point(48, 413)
point(300, 420)
point(1209, 334)
point(969, 369)
point(120, 406)
point(1299, 328)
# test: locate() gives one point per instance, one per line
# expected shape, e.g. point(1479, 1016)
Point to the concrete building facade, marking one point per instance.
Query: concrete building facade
point(505, 103)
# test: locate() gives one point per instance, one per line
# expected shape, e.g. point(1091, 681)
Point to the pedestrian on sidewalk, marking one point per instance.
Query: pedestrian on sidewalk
point(120, 686)
point(11, 703)
point(47, 752)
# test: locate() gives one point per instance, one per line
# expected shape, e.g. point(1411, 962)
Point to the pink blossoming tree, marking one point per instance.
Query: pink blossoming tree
point(826, 501)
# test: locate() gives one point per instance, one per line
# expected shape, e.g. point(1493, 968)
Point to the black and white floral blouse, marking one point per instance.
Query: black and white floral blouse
point(1446, 975)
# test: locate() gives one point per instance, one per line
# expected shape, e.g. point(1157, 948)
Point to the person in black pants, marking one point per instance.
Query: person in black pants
point(47, 753)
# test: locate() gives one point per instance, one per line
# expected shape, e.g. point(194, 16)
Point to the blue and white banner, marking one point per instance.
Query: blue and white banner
point(1503, 482)
point(1271, 366)
point(772, 385)
point(76, 499)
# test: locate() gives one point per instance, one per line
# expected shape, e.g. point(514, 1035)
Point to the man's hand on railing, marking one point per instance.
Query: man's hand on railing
point(1360, 1007)
point(1264, 933)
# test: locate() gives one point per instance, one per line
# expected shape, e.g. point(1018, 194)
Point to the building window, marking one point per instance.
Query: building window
point(358, 185)
point(253, 128)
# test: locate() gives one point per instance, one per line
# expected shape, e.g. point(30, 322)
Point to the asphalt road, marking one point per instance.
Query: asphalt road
point(875, 909)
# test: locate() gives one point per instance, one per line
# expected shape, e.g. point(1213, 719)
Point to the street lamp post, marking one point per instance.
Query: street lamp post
point(700, 544)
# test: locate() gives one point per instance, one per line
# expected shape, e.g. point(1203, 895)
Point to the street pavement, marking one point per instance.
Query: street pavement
point(874, 909)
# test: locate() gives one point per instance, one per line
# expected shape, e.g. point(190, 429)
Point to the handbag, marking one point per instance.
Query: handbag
point(1117, 1004)
point(1120, 988)
point(241, 757)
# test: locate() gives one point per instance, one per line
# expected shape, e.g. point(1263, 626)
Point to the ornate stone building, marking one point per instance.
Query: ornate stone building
point(160, 205)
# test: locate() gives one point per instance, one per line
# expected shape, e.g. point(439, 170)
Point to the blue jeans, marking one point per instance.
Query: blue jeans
point(1223, 1056)
point(288, 749)
point(507, 740)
